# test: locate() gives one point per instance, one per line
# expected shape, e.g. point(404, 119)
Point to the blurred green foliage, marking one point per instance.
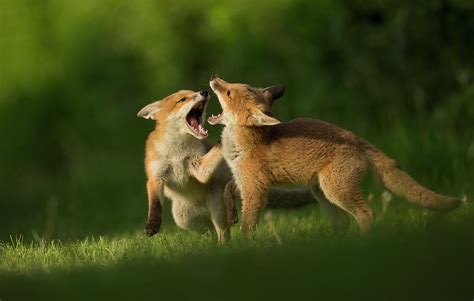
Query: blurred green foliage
point(73, 74)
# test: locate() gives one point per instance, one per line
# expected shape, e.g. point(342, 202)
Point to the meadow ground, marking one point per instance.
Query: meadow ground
point(73, 75)
point(79, 237)
point(85, 241)
point(411, 255)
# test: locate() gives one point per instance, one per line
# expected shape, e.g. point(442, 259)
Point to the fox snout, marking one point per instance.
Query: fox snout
point(217, 84)
point(201, 95)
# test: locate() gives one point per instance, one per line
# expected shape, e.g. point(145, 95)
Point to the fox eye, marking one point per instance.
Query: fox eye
point(182, 99)
point(228, 92)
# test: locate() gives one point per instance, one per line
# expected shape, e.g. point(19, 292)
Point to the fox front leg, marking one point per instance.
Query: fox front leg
point(203, 168)
point(253, 202)
point(155, 208)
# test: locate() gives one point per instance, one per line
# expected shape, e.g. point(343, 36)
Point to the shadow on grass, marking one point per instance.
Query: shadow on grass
point(435, 263)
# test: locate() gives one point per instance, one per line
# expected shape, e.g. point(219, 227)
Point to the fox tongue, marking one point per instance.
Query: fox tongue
point(193, 122)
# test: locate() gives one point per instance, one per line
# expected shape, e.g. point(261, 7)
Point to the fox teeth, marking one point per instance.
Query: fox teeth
point(201, 129)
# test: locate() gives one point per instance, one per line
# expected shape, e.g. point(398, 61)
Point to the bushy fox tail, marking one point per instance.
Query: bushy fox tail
point(279, 198)
point(400, 183)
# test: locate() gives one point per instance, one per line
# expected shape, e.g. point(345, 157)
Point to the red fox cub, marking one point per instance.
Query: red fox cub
point(262, 151)
point(180, 166)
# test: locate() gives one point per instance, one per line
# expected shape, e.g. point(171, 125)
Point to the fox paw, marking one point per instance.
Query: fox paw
point(151, 229)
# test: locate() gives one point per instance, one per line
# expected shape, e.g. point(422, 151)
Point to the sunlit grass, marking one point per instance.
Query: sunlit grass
point(278, 228)
point(293, 254)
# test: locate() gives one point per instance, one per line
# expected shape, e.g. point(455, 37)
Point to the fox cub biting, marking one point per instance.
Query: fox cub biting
point(181, 167)
point(262, 151)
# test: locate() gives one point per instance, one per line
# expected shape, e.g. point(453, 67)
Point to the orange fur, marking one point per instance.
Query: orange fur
point(262, 151)
point(182, 167)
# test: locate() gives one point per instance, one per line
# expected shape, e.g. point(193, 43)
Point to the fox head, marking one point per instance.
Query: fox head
point(181, 112)
point(244, 105)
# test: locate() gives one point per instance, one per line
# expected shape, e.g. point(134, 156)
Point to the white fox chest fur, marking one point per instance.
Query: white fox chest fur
point(196, 206)
point(172, 165)
point(232, 152)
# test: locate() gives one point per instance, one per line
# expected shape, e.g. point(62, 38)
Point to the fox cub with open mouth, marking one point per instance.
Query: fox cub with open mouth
point(181, 166)
point(262, 151)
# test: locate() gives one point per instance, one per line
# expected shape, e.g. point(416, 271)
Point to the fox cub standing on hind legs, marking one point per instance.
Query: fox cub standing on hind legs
point(262, 151)
point(180, 166)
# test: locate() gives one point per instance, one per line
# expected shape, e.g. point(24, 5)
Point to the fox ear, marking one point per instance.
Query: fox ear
point(259, 118)
point(149, 111)
point(273, 93)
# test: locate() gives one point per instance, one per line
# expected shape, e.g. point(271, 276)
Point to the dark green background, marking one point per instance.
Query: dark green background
point(73, 75)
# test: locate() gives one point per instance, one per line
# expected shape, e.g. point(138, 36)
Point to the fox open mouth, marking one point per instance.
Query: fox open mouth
point(213, 120)
point(194, 120)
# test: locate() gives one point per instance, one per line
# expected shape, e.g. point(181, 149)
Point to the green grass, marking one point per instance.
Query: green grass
point(72, 185)
point(78, 236)
point(411, 254)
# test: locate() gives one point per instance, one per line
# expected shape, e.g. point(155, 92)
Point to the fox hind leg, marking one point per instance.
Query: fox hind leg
point(340, 185)
point(360, 210)
point(337, 216)
point(155, 209)
point(190, 216)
